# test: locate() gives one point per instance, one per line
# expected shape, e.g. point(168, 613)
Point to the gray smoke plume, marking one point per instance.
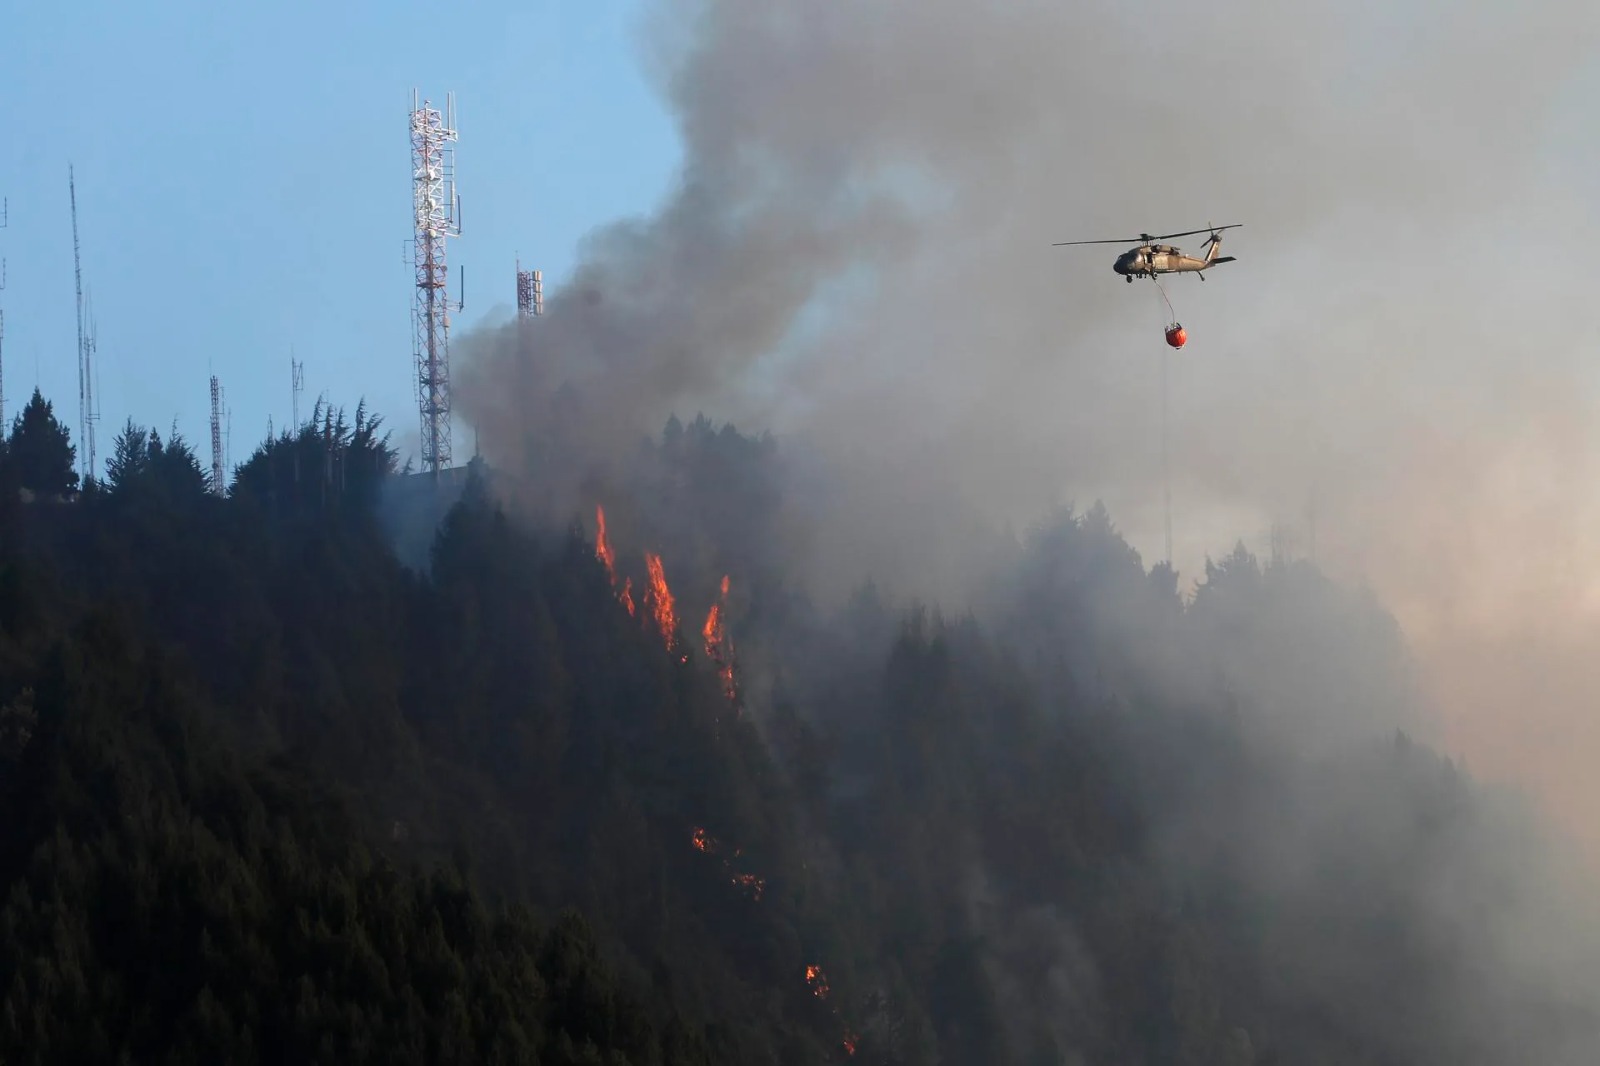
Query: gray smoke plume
point(857, 257)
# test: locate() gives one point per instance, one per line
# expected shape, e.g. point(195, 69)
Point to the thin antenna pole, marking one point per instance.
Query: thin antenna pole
point(5, 217)
point(85, 397)
point(297, 381)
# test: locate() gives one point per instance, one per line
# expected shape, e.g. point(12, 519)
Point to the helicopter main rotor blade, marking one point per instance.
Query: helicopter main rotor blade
point(1192, 232)
point(1125, 240)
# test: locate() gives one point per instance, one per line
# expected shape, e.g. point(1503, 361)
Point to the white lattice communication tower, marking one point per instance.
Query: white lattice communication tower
point(530, 292)
point(86, 410)
point(218, 485)
point(437, 211)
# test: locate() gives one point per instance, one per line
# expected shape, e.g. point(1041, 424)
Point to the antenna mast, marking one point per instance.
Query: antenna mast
point(297, 381)
point(437, 216)
point(5, 214)
point(85, 345)
point(217, 484)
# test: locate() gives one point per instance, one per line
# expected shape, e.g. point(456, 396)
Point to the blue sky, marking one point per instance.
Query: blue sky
point(243, 179)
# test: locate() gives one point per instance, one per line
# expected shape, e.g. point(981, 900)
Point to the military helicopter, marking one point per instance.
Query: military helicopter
point(1150, 259)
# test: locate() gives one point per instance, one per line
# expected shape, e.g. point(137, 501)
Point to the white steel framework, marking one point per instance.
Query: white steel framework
point(437, 211)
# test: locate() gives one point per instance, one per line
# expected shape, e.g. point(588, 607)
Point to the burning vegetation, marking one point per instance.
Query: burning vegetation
point(718, 648)
point(603, 552)
point(663, 609)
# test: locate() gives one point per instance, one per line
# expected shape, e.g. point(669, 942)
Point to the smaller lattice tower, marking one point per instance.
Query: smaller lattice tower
point(530, 292)
point(297, 382)
point(218, 486)
point(436, 211)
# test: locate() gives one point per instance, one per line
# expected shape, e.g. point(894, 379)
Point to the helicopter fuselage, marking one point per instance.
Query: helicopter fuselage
point(1148, 260)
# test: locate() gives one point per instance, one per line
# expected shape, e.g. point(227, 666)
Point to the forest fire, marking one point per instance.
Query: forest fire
point(718, 648)
point(662, 607)
point(604, 552)
point(659, 599)
point(755, 885)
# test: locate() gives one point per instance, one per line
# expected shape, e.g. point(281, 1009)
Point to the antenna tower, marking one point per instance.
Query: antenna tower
point(297, 382)
point(530, 292)
point(217, 484)
point(86, 412)
point(5, 212)
point(437, 215)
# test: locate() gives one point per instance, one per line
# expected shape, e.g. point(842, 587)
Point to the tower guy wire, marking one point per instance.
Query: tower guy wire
point(436, 208)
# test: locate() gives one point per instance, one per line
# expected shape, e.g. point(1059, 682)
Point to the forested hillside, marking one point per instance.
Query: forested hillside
point(275, 795)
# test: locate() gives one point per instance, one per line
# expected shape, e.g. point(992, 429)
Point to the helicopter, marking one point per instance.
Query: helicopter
point(1150, 259)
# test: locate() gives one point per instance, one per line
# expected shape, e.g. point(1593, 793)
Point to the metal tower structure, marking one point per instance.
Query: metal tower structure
point(530, 292)
point(297, 382)
point(217, 484)
point(86, 412)
point(437, 216)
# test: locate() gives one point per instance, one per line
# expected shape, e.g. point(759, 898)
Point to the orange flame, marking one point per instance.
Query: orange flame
point(602, 548)
point(850, 1040)
point(755, 883)
point(603, 552)
point(659, 598)
point(718, 648)
point(703, 841)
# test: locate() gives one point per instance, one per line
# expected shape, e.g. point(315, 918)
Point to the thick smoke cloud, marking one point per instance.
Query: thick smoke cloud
point(857, 256)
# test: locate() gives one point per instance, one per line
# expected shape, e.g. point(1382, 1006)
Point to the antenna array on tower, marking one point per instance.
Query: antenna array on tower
point(437, 216)
point(530, 292)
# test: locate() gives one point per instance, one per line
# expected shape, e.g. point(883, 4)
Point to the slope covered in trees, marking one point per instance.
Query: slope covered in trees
point(277, 796)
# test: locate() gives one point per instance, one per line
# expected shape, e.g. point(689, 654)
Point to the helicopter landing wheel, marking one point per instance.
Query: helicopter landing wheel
point(1128, 278)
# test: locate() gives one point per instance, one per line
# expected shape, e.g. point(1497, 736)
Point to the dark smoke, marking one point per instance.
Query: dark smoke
point(857, 257)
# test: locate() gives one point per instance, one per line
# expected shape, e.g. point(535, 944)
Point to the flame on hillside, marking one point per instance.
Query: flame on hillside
point(755, 885)
point(718, 648)
point(603, 552)
point(658, 598)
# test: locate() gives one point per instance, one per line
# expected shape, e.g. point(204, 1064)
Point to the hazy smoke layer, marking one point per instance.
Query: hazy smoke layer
point(858, 257)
